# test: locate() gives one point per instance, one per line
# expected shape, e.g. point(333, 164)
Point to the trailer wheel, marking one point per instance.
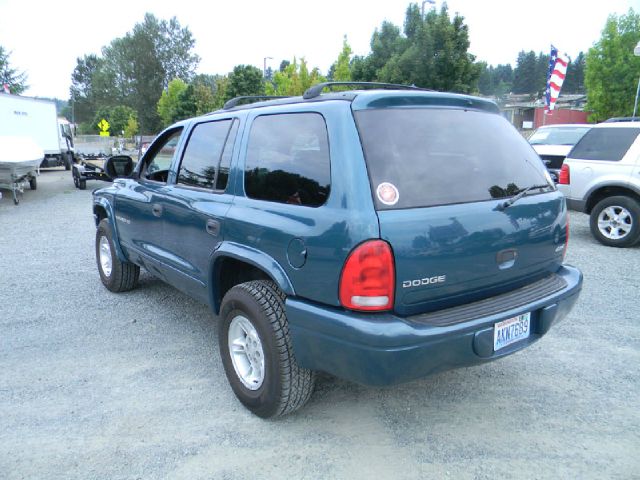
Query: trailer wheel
point(117, 276)
point(33, 183)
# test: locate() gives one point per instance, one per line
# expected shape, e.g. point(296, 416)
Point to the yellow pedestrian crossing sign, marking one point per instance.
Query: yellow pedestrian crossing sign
point(103, 125)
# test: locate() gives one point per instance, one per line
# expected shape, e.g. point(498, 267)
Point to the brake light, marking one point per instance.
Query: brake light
point(565, 175)
point(367, 282)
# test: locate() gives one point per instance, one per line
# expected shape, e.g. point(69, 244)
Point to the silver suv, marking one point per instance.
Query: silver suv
point(601, 177)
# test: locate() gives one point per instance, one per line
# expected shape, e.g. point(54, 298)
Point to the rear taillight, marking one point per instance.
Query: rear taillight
point(565, 175)
point(368, 277)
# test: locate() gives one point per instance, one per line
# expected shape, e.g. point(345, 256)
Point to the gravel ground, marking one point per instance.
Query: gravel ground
point(99, 385)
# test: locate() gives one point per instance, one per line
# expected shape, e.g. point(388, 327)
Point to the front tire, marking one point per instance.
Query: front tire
point(117, 276)
point(33, 183)
point(256, 350)
point(615, 221)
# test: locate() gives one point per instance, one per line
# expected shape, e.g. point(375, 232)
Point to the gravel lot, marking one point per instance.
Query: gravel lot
point(99, 385)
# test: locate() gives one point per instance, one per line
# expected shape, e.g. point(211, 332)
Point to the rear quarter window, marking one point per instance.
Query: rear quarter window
point(609, 144)
point(288, 159)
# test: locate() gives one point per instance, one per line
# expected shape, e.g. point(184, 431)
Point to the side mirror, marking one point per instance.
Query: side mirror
point(118, 166)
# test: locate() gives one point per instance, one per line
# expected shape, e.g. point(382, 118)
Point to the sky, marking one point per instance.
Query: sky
point(46, 38)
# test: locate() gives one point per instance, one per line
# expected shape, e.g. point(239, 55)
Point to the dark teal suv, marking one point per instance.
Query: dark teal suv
point(379, 234)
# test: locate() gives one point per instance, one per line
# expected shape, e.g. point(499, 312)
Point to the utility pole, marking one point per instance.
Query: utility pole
point(430, 2)
point(264, 66)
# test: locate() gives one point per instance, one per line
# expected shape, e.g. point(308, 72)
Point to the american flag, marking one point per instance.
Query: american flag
point(555, 77)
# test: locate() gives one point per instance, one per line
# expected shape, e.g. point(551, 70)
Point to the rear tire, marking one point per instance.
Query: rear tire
point(615, 221)
point(262, 368)
point(117, 276)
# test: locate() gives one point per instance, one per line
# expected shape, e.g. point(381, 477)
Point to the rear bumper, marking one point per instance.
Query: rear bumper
point(577, 205)
point(384, 349)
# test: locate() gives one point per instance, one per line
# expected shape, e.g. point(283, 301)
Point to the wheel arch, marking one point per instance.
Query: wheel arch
point(232, 264)
point(599, 193)
point(102, 209)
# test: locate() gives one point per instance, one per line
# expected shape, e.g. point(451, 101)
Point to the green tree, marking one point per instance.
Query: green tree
point(132, 127)
point(340, 71)
point(118, 118)
point(526, 78)
point(611, 68)
point(205, 88)
point(135, 69)
point(222, 84)
point(574, 82)
point(186, 106)
point(385, 44)
point(431, 52)
point(81, 90)
point(17, 81)
point(294, 79)
point(168, 102)
point(244, 80)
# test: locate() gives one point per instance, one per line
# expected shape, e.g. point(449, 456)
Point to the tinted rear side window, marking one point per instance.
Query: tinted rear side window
point(438, 157)
point(288, 159)
point(202, 155)
point(604, 144)
point(225, 161)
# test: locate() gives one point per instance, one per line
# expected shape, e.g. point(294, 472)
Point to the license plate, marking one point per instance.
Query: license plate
point(511, 330)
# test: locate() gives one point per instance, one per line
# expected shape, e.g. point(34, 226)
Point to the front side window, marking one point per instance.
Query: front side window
point(288, 159)
point(604, 144)
point(157, 166)
point(202, 154)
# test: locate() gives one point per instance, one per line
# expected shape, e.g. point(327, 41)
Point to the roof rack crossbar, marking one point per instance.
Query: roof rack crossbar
point(315, 90)
point(236, 101)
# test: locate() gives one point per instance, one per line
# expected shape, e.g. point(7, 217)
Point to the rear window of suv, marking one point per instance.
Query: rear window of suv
point(604, 144)
point(434, 156)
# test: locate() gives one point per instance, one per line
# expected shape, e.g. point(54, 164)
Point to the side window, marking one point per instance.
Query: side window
point(288, 159)
point(225, 161)
point(604, 144)
point(157, 167)
point(202, 155)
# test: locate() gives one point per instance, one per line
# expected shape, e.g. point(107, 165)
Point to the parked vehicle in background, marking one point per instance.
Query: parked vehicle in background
point(601, 177)
point(553, 142)
point(377, 235)
point(37, 119)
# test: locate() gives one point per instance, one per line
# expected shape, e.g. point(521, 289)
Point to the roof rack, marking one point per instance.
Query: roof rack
point(236, 101)
point(622, 119)
point(315, 90)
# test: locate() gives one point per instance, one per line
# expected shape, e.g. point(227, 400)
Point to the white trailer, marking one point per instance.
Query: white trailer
point(37, 119)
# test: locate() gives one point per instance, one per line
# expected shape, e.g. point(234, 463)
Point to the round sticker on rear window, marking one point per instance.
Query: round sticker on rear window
point(388, 193)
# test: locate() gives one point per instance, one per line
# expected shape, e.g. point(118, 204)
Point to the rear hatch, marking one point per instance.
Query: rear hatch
point(440, 178)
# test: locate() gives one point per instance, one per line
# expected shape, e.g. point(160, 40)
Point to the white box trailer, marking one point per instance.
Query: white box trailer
point(37, 119)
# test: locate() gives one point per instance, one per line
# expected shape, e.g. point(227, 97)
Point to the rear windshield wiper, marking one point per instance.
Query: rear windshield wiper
point(521, 194)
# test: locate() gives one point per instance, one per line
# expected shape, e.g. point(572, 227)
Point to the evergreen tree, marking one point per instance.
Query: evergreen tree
point(574, 82)
point(526, 76)
point(16, 81)
point(431, 52)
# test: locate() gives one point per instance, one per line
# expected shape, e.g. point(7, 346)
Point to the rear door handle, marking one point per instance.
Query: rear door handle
point(156, 209)
point(213, 227)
